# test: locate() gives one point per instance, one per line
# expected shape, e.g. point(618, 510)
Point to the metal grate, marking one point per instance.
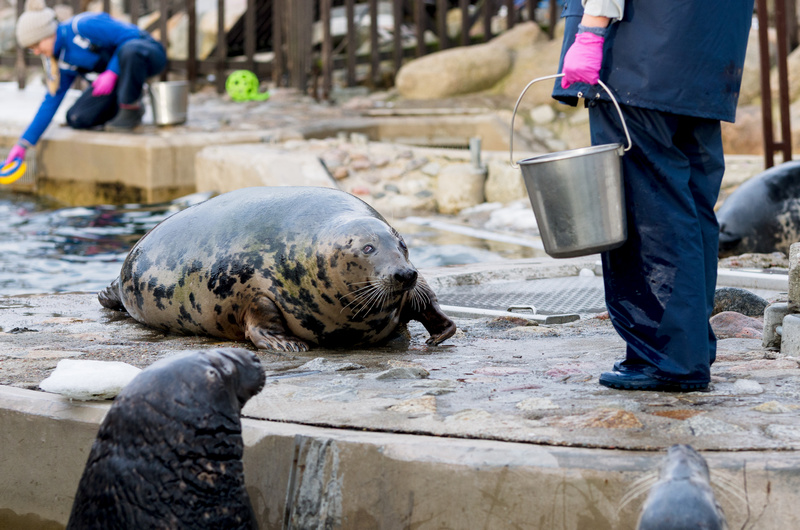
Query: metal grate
point(552, 296)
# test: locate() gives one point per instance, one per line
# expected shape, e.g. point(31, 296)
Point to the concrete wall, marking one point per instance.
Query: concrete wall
point(300, 476)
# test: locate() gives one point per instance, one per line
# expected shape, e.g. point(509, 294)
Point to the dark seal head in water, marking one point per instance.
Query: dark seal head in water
point(282, 267)
point(682, 498)
point(763, 214)
point(169, 451)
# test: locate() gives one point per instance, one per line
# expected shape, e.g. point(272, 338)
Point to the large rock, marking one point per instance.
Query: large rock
point(464, 70)
point(504, 183)
point(453, 72)
point(459, 186)
point(228, 168)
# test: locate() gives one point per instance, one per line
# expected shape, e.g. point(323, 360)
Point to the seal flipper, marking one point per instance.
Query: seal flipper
point(265, 328)
point(110, 297)
point(429, 314)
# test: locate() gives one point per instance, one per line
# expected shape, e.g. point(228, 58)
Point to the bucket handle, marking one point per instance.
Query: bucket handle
point(580, 94)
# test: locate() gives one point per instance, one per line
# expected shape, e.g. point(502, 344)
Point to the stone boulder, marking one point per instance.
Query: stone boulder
point(465, 70)
point(227, 168)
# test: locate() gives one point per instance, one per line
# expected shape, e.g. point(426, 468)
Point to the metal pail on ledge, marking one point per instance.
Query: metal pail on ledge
point(170, 102)
point(577, 195)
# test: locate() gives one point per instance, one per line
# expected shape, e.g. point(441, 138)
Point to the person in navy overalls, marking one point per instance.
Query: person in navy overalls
point(675, 68)
point(121, 54)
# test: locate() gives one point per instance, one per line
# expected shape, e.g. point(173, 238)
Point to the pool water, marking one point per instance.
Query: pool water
point(45, 248)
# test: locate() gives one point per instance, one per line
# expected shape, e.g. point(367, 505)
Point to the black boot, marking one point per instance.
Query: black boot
point(126, 120)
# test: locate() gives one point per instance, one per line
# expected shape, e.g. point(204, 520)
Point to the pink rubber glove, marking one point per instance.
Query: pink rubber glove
point(17, 152)
point(583, 60)
point(104, 84)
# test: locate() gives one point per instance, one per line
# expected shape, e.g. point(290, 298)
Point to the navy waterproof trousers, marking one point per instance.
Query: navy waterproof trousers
point(138, 60)
point(660, 284)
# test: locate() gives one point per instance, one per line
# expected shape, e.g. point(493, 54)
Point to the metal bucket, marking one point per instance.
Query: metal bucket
point(577, 195)
point(170, 102)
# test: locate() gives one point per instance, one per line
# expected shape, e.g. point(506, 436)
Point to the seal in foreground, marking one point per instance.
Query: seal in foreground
point(280, 266)
point(169, 451)
point(682, 497)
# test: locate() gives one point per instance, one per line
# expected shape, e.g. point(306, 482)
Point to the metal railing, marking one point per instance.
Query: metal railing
point(295, 57)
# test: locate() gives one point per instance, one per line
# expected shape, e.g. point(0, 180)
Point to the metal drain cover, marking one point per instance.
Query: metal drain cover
point(550, 296)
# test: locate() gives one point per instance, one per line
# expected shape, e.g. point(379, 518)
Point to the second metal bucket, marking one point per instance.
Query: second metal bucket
point(170, 102)
point(578, 195)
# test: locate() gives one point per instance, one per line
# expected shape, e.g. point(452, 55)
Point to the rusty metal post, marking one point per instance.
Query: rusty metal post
point(327, 49)
point(375, 57)
point(352, 44)
point(191, 48)
point(441, 24)
point(532, 10)
point(250, 34)
point(783, 80)
point(420, 22)
point(397, 16)
point(20, 67)
point(487, 21)
point(162, 25)
point(278, 41)
point(464, 6)
point(511, 14)
point(298, 43)
point(222, 47)
point(551, 31)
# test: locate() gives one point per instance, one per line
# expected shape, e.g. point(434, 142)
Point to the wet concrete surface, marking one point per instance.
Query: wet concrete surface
point(507, 379)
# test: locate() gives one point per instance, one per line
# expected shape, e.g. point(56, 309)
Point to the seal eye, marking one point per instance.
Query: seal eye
point(368, 249)
point(403, 245)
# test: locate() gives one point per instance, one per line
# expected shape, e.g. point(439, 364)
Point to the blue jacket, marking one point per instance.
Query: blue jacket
point(680, 56)
point(85, 43)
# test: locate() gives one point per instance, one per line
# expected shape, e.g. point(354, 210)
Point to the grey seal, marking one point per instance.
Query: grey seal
point(284, 267)
point(763, 214)
point(169, 451)
point(682, 497)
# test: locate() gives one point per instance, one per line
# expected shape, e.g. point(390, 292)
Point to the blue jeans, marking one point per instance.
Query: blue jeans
point(138, 60)
point(660, 284)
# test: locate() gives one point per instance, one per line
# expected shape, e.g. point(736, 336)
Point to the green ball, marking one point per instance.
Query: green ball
point(242, 85)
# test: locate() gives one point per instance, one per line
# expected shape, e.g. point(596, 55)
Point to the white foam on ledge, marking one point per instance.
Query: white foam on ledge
point(86, 380)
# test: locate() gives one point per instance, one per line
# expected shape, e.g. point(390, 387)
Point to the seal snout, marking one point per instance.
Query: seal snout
point(406, 278)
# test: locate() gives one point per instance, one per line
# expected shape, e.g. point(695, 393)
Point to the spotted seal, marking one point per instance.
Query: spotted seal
point(682, 497)
point(763, 214)
point(169, 451)
point(282, 267)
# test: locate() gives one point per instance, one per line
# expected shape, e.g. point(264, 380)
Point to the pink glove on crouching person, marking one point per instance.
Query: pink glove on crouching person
point(17, 152)
point(583, 60)
point(104, 84)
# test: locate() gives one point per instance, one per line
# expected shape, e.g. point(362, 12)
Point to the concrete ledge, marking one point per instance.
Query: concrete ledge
point(312, 477)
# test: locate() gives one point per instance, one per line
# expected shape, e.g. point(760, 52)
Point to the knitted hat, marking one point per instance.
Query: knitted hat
point(37, 22)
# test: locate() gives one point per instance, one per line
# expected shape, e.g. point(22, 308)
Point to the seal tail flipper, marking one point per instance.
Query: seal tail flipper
point(110, 297)
point(265, 327)
point(424, 307)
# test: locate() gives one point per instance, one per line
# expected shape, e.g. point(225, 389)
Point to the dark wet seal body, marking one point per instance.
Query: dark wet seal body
point(169, 451)
point(282, 267)
point(763, 214)
point(682, 498)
